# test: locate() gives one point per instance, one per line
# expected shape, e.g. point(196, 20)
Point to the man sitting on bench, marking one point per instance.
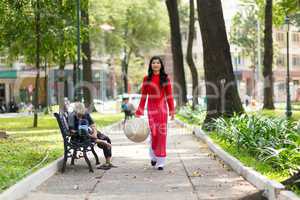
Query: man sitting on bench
point(81, 122)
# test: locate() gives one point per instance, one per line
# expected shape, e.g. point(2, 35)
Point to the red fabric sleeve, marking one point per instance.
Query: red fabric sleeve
point(169, 96)
point(140, 110)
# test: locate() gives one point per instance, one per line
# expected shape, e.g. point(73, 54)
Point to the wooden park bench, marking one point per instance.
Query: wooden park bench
point(73, 144)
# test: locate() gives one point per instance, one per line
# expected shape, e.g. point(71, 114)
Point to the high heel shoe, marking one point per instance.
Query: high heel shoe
point(153, 162)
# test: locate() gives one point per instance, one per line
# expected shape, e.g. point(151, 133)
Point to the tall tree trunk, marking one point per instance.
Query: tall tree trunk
point(178, 67)
point(38, 43)
point(62, 63)
point(125, 59)
point(268, 58)
point(189, 55)
point(61, 85)
point(125, 65)
point(86, 60)
point(74, 79)
point(46, 85)
point(221, 90)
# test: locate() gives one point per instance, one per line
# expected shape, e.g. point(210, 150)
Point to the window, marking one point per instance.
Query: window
point(281, 86)
point(296, 60)
point(280, 60)
point(237, 60)
point(279, 37)
point(296, 82)
point(296, 37)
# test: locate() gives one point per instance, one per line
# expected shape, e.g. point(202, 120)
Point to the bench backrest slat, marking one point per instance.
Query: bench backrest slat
point(63, 125)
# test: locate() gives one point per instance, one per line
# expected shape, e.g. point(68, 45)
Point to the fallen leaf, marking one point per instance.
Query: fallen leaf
point(196, 174)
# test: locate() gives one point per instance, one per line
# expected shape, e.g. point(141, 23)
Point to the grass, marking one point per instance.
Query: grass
point(183, 119)
point(279, 113)
point(282, 106)
point(28, 149)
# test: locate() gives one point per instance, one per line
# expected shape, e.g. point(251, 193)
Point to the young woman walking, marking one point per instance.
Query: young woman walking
point(157, 86)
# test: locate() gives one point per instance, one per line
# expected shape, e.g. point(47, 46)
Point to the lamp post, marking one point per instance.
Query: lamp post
point(78, 95)
point(288, 95)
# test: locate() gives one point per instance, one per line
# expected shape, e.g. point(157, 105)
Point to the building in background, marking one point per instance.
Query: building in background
point(18, 83)
point(244, 71)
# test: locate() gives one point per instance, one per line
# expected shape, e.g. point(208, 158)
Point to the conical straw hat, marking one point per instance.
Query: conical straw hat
point(136, 129)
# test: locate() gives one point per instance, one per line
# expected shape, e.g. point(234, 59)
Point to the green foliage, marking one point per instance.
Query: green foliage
point(196, 116)
point(138, 25)
point(281, 8)
point(244, 33)
point(57, 27)
point(272, 140)
point(248, 160)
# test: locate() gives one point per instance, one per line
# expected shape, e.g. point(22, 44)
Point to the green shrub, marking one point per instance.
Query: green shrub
point(272, 140)
point(195, 116)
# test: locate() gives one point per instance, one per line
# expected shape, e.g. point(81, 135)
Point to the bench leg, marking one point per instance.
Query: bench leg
point(87, 160)
point(73, 157)
point(64, 162)
point(95, 155)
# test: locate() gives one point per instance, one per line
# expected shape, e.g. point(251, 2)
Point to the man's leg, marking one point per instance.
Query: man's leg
point(106, 149)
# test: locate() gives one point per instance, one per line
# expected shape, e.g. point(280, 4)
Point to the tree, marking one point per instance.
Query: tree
point(87, 60)
point(291, 8)
point(37, 66)
point(243, 33)
point(189, 55)
point(19, 33)
point(138, 27)
point(178, 67)
point(221, 89)
point(268, 57)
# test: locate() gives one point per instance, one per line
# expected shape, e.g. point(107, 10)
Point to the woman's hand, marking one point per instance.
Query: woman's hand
point(172, 116)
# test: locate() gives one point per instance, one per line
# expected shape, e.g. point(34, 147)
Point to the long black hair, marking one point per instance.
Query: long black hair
point(162, 74)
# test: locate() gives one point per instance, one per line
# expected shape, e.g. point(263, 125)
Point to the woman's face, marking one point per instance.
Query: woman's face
point(155, 64)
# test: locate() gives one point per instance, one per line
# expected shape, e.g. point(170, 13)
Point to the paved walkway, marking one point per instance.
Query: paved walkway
point(191, 173)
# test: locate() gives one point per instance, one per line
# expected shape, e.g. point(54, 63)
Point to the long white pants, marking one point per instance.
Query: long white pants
point(160, 161)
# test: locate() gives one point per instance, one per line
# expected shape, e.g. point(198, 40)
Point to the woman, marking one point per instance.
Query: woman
point(157, 86)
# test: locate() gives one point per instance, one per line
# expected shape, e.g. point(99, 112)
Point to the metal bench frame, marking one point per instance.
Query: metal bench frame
point(72, 146)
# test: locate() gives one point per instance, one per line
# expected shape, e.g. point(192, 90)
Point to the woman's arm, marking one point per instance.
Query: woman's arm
point(170, 99)
point(140, 110)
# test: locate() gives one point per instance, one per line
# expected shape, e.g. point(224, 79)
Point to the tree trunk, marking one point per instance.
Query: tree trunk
point(62, 63)
point(178, 67)
point(125, 64)
point(46, 85)
point(221, 90)
point(268, 58)
point(74, 79)
point(38, 43)
point(189, 55)
point(61, 85)
point(87, 63)
point(125, 60)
